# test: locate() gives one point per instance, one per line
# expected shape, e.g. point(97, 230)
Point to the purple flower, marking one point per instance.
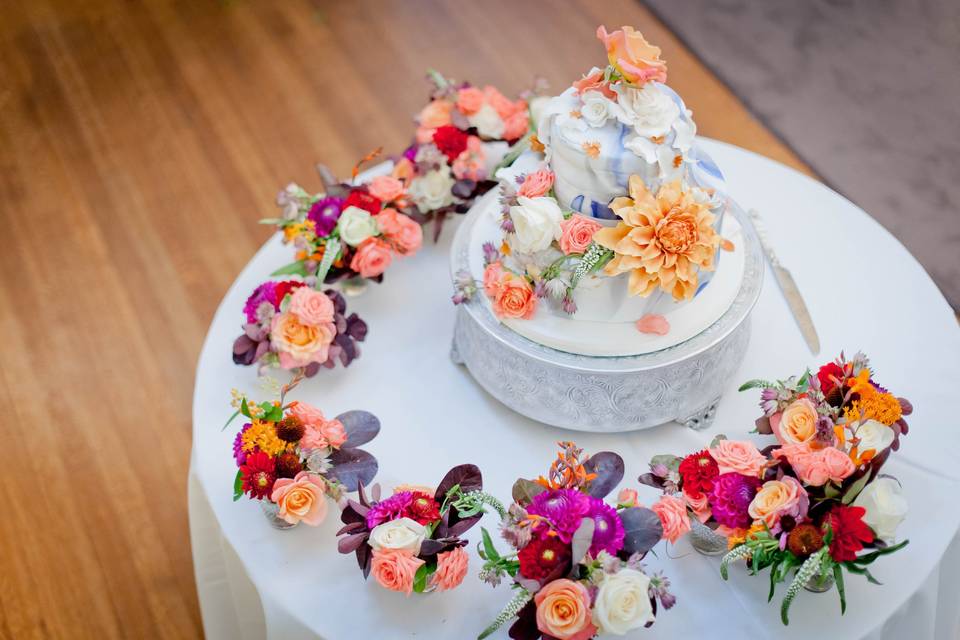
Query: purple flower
point(563, 508)
point(238, 453)
point(324, 213)
point(825, 434)
point(568, 305)
point(608, 531)
point(411, 153)
point(389, 509)
point(731, 497)
point(266, 292)
point(490, 253)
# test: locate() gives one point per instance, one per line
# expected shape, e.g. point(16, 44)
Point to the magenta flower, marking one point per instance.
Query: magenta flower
point(563, 509)
point(731, 497)
point(238, 453)
point(324, 214)
point(608, 531)
point(389, 509)
point(266, 292)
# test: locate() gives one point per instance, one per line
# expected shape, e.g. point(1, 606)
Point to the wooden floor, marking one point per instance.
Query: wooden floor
point(139, 143)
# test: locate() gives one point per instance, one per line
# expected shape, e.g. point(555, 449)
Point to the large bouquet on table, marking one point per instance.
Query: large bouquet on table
point(577, 563)
point(292, 326)
point(821, 506)
point(463, 134)
point(411, 541)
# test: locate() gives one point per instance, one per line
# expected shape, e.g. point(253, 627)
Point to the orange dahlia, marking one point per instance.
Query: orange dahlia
point(660, 241)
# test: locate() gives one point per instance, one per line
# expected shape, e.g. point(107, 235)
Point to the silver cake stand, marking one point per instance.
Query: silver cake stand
point(607, 394)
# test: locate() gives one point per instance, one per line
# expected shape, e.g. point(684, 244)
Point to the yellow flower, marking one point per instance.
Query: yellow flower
point(660, 241)
point(263, 436)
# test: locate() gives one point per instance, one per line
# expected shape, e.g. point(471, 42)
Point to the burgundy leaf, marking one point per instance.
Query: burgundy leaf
point(352, 543)
point(468, 476)
point(525, 628)
point(352, 467)
point(361, 427)
point(642, 528)
point(763, 426)
point(609, 469)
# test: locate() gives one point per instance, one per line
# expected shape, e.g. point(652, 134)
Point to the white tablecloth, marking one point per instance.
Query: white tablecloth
point(864, 292)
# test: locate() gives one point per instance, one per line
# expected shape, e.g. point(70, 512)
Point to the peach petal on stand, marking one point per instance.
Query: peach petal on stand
point(653, 323)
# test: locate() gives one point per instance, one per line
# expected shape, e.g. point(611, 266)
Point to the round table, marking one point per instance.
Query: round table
point(864, 291)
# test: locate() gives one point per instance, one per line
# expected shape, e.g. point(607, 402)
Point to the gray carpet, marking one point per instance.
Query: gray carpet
point(866, 92)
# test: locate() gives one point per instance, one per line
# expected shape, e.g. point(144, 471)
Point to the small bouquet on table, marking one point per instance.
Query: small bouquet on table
point(412, 540)
point(290, 457)
point(577, 566)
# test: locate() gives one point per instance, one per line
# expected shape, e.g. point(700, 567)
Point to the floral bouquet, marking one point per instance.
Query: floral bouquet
point(577, 567)
point(348, 231)
point(411, 541)
point(289, 456)
point(463, 135)
point(820, 500)
point(293, 326)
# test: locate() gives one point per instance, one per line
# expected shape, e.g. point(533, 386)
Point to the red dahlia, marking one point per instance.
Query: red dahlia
point(258, 475)
point(850, 532)
point(698, 471)
point(282, 289)
point(544, 557)
point(451, 141)
point(828, 376)
point(422, 508)
point(363, 200)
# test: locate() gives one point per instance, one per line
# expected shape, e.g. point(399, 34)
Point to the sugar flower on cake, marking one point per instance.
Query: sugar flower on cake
point(292, 326)
point(576, 562)
point(291, 457)
point(412, 541)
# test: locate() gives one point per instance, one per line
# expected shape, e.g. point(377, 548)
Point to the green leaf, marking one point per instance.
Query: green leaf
point(272, 221)
point(856, 488)
point(488, 549)
point(838, 578)
point(244, 409)
point(716, 440)
point(756, 384)
point(671, 462)
point(230, 419)
point(331, 251)
point(238, 486)
point(422, 576)
point(830, 490)
point(873, 555)
point(271, 412)
point(292, 269)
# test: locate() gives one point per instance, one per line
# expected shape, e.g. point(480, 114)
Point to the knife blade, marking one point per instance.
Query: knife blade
point(788, 286)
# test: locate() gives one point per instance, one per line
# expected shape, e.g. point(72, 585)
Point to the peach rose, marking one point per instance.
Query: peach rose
point(327, 433)
point(672, 512)
point(405, 234)
point(778, 498)
point(594, 81)
point(816, 467)
point(372, 258)
point(395, 569)
point(300, 499)
point(451, 569)
point(563, 611)
point(536, 184)
point(700, 506)
point(515, 125)
point(308, 414)
point(628, 498)
point(436, 114)
point(403, 170)
point(492, 278)
point(386, 188)
point(797, 423)
point(300, 344)
point(471, 163)
point(635, 58)
point(738, 456)
point(500, 103)
point(515, 298)
point(311, 306)
point(469, 100)
point(576, 233)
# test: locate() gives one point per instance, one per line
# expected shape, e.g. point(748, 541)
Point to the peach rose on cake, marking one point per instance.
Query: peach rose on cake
point(469, 100)
point(492, 279)
point(796, 424)
point(778, 498)
point(563, 611)
point(628, 52)
point(672, 512)
point(451, 569)
point(738, 456)
point(817, 467)
point(395, 569)
point(300, 499)
point(514, 298)
point(311, 306)
point(576, 233)
point(300, 344)
point(405, 234)
point(536, 184)
point(594, 81)
point(386, 188)
point(372, 258)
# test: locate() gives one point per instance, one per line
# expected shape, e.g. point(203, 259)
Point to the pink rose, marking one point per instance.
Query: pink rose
point(300, 499)
point(700, 506)
point(436, 114)
point(308, 414)
point(372, 258)
point(500, 103)
point(576, 233)
point(563, 610)
point(323, 434)
point(311, 306)
point(386, 188)
point(515, 299)
point(672, 512)
point(515, 125)
point(405, 234)
point(816, 467)
point(395, 569)
point(492, 277)
point(451, 569)
point(628, 498)
point(300, 344)
point(469, 100)
point(424, 135)
point(537, 184)
point(738, 456)
point(470, 164)
point(594, 82)
point(778, 498)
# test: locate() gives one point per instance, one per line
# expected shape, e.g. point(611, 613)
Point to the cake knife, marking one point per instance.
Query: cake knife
point(789, 288)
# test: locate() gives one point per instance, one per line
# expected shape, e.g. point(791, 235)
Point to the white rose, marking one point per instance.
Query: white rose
point(537, 107)
point(597, 108)
point(886, 507)
point(487, 121)
point(403, 534)
point(874, 435)
point(623, 602)
point(433, 190)
point(648, 110)
point(356, 225)
point(536, 222)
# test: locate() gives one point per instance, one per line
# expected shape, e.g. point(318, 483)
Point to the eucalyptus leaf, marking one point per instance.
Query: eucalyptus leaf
point(361, 427)
point(642, 529)
point(293, 269)
point(524, 491)
point(670, 461)
point(609, 469)
point(352, 467)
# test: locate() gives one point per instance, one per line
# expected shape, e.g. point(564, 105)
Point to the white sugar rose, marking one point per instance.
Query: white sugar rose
point(874, 435)
point(432, 190)
point(402, 534)
point(650, 111)
point(488, 122)
point(623, 602)
point(886, 507)
point(597, 108)
point(356, 225)
point(536, 222)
